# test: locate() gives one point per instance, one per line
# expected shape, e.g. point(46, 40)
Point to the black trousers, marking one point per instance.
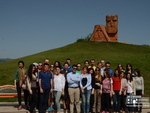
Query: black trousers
point(139, 93)
point(105, 101)
point(26, 94)
point(43, 103)
point(123, 101)
point(33, 99)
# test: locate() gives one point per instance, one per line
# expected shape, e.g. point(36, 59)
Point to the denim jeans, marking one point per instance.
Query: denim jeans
point(116, 101)
point(86, 101)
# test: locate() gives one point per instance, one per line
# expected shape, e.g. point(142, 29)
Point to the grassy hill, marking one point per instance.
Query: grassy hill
point(78, 52)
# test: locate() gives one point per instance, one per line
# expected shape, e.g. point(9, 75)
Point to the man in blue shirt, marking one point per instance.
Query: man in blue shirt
point(45, 83)
point(110, 70)
point(69, 62)
point(73, 79)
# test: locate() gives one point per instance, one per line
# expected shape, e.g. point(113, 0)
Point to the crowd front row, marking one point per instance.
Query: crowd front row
point(45, 85)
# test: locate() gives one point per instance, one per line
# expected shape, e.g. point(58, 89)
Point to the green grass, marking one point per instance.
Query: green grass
point(78, 52)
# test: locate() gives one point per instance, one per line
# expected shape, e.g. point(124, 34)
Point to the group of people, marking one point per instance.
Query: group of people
point(45, 84)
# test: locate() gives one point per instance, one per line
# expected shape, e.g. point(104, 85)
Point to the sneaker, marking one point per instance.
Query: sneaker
point(49, 109)
point(52, 109)
point(20, 107)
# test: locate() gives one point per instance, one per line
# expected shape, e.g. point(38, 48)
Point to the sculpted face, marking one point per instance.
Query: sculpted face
point(111, 23)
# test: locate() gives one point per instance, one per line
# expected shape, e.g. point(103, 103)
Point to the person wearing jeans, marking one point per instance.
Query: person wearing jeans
point(130, 92)
point(116, 91)
point(85, 85)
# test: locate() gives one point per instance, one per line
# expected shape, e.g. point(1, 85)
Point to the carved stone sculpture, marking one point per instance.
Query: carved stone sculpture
point(108, 33)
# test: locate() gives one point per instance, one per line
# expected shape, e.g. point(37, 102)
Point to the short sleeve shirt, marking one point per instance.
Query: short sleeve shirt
point(45, 79)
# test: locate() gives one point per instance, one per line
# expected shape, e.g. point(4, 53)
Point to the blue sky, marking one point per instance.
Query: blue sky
point(32, 26)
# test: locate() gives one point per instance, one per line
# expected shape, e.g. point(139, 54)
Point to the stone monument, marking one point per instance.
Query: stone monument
point(108, 33)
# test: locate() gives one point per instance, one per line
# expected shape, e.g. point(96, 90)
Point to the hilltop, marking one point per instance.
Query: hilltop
point(78, 52)
point(4, 59)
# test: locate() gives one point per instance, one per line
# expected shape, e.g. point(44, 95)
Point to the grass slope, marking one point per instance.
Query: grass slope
point(78, 52)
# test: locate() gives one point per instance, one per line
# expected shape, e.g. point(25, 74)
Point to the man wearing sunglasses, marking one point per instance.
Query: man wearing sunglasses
point(73, 79)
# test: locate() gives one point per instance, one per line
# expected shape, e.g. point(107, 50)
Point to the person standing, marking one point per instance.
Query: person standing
point(120, 68)
point(116, 91)
point(32, 87)
point(85, 85)
point(123, 91)
point(45, 83)
point(73, 79)
point(86, 63)
point(46, 61)
point(129, 69)
point(109, 69)
point(130, 91)
point(107, 89)
point(139, 86)
point(20, 83)
point(51, 95)
point(59, 84)
point(91, 71)
point(57, 64)
point(103, 67)
point(92, 64)
point(69, 62)
point(78, 68)
point(65, 97)
point(97, 91)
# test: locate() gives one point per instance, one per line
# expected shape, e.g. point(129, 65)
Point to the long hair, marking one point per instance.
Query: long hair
point(86, 69)
point(59, 64)
point(130, 66)
point(118, 67)
point(131, 79)
point(99, 75)
point(93, 74)
point(138, 71)
point(115, 75)
point(107, 73)
point(30, 72)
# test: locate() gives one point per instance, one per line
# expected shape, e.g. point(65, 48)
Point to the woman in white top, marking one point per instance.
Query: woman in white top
point(123, 91)
point(59, 84)
point(130, 92)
